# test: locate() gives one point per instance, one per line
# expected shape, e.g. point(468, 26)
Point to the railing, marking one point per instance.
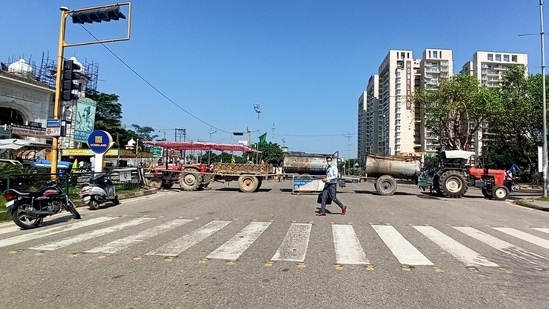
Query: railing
point(126, 178)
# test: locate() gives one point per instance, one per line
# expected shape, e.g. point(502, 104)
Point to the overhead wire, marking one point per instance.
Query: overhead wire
point(179, 106)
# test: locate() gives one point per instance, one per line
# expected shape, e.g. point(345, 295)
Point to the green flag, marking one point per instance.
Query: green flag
point(263, 139)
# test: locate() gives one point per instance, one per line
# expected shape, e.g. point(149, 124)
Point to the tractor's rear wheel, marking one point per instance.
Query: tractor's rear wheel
point(189, 181)
point(386, 185)
point(453, 184)
point(500, 193)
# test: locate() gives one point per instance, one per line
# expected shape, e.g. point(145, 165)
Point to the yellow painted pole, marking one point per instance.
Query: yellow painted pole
point(58, 80)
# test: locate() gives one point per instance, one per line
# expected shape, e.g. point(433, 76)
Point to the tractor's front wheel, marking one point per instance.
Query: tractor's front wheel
point(500, 193)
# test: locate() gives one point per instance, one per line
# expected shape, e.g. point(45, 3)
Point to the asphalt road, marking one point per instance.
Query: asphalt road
point(221, 248)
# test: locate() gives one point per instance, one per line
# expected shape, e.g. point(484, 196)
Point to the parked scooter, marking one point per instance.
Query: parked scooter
point(99, 190)
point(28, 209)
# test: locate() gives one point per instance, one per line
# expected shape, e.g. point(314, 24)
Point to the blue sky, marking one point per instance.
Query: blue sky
point(305, 62)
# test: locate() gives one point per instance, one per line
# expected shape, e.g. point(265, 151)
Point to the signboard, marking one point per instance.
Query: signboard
point(53, 127)
point(157, 152)
point(307, 184)
point(100, 141)
point(408, 84)
point(28, 130)
point(84, 120)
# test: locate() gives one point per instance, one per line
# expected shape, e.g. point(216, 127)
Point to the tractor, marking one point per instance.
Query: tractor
point(456, 174)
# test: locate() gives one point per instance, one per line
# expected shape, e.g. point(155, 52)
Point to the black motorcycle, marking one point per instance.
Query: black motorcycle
point(28, 209)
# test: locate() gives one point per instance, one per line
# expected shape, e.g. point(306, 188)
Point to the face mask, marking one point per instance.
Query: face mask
point(329, 163)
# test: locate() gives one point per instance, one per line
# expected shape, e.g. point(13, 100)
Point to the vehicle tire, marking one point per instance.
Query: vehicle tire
point(487, 193)
point(93, 204)
point(248, 184)
point(512, 186)
point(72, 209)
point(154, 183)
point(375, 187)
point(500, 193)
point(167, 185)
point(260, 182)
point(386, 185)
point(453, 184)
point(23, 220)
point(189, 181)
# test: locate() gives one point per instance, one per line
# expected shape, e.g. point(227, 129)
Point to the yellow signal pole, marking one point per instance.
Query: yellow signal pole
point(58, 79)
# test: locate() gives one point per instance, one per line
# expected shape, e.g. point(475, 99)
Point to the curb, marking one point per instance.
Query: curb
point(531, 203)
point(124, 196)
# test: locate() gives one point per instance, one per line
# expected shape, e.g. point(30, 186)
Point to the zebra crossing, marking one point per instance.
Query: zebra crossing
point(348, 248)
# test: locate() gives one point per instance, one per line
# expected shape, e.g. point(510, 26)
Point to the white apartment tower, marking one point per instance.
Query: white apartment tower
point(489, 67)
point(397, 75)
point(369, 125)
point(436, 67)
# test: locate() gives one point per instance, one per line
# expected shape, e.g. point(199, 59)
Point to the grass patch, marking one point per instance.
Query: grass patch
point(4, 216)
point(545, 199)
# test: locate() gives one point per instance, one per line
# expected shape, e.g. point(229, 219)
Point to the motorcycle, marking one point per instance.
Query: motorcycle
point(28, 209)
point(100, 189)
point(510, 181)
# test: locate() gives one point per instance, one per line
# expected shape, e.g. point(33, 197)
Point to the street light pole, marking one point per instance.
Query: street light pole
point(544, 150)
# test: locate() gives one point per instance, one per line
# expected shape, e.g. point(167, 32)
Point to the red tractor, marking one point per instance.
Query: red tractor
point(456, 174)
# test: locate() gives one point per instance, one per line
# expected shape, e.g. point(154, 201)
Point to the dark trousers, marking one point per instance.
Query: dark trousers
point(329, 190)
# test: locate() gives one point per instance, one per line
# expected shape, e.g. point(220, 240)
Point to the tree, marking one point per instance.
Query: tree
point(455, 112)
point(108, 116)
point(513, 126)
point(271, 153)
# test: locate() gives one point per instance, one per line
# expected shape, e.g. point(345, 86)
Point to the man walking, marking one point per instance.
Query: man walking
point(330, 188)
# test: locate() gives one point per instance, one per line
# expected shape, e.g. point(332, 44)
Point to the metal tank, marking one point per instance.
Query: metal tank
point(305, 163)
point(396, 166)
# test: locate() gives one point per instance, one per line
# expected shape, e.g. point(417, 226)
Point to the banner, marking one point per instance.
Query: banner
point(84, 120)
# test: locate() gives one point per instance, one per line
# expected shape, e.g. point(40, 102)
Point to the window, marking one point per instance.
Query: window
point(490, 57)
point(514, 58)
point(506, 58)
point(435, 54)
point(498, 57)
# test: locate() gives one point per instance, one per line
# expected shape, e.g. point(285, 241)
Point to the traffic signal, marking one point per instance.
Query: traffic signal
point(97, 15)
point(69, 83)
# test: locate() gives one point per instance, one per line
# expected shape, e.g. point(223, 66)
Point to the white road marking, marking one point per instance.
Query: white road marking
point(467, 256)
point(347, 246)
point(52, 231)
point(234, 247)
point(524, 236)
point(123, 243)
point(295, 243)
point(504, 246)
point(54, 245)
point(181, 244)
point(542, 229)
point(403, 250)
point(9, 229)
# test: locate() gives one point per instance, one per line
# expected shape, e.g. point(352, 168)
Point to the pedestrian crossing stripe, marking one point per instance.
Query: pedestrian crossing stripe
point(54, 245)
point(185, 242)
point(294, 245)
point(123, 243)
point(467, 256)
point(234, 247)
point(52, 231)
point(403, 250)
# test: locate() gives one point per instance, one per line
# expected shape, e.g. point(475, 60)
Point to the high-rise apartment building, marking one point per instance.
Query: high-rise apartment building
point(388, 121)
point(436, 67)
point(369, 124)
point(489, 67)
